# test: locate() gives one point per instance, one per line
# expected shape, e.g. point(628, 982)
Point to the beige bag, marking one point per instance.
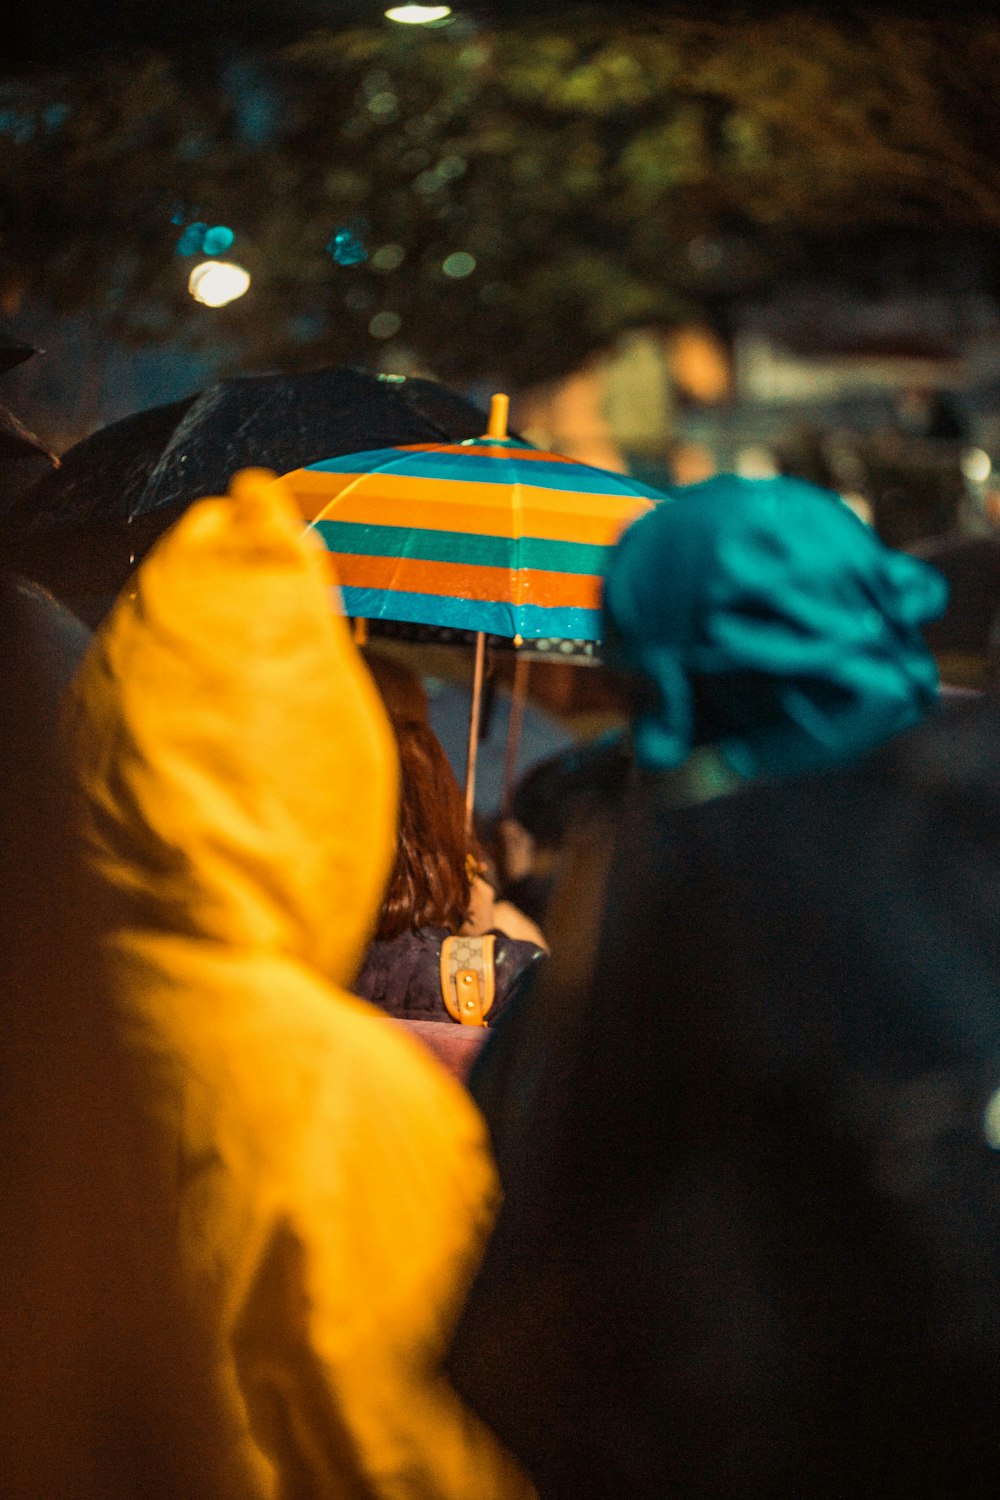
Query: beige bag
point(468, 977)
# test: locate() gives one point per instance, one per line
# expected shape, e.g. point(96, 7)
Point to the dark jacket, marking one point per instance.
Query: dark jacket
point(402, 975)
point(749, 1153)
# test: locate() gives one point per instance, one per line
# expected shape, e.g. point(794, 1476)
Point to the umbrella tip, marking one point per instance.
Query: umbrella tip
point(499, 410)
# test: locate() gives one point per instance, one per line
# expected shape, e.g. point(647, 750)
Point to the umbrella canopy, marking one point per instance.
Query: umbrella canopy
point(100, 478)
point(17, 442)
point(13, 353)
point(487, 535)
point(165, 458)
point(82, 530)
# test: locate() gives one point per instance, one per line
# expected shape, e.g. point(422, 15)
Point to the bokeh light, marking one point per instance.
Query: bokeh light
point(460, 264)
point(861, 506)
point(418, 15)
point(388, 257)
point(199, 239)
point(217, 240)
point(991, 1121)
point(347, 248)
point(756, 461)
point(385, 325)
point(191, 241)
point(452, 166)
point(976, 465)
point(216, 282)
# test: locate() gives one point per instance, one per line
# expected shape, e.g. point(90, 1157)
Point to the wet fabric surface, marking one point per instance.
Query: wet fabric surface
point(767, 619)
point(170, 455)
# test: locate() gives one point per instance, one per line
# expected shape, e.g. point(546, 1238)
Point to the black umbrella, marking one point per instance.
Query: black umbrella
point(17, 442)
point(13, 353)
point(80, 531)
point(162, 459)
point(101, 478)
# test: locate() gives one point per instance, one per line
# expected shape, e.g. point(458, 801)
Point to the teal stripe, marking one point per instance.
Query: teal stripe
point(358, 539)
point(573, 478)
point(532, 621)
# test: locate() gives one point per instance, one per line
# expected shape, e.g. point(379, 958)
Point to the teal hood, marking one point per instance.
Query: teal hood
point(768, 620)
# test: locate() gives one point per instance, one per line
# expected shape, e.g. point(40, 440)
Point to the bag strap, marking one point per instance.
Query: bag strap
point(468, 977)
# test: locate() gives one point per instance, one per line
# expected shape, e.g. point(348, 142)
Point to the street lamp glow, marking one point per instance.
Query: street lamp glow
point(418, 15)
point(216, 282)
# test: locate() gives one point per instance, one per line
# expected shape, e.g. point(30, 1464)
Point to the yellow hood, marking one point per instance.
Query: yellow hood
point(244, 777)
point(316, 1186)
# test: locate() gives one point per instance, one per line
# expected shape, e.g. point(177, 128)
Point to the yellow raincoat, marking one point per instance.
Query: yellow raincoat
point(317, 1190)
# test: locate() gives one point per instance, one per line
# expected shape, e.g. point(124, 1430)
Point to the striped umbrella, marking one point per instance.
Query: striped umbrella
point(490, 535)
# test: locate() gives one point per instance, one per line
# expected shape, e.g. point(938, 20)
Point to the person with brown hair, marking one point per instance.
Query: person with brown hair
point(401, 688)
point(436, 892)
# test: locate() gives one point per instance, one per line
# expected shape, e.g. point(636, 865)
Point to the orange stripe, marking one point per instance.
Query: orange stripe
point(316, 490)
point(462, 581)
point(483, 509)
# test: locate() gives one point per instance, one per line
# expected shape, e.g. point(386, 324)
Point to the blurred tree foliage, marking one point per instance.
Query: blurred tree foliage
point(509, 199)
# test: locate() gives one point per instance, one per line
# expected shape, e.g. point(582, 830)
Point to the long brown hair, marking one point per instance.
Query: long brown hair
point(431, 881)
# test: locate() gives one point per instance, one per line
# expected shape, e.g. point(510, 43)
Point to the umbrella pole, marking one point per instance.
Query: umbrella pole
point(518, 698)
point(477, 699)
